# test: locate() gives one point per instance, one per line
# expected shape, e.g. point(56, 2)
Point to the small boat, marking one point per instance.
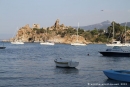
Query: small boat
point(78, 44)
point(47, 43)
point(65, 63)
point(116, 51)
point(2, 47)
point(120, 75)
point(17, 42)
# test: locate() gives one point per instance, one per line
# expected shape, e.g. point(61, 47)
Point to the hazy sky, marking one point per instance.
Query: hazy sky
point(18, 13)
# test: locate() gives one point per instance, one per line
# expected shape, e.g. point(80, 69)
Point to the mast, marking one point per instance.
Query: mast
point(125, 31)
point(113, 31)
point(77, 32)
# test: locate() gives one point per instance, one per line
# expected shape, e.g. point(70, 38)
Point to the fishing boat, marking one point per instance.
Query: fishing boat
point(120, 75)
point(116, 51)
point(65, 63)
point(77, 42)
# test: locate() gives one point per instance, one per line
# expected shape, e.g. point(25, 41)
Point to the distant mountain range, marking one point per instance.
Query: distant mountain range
point(102, 25)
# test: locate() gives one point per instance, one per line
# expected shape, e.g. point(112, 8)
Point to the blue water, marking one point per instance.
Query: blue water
point(32, 65)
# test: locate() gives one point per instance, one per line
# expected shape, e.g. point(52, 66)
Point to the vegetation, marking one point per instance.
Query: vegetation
point(95, 35)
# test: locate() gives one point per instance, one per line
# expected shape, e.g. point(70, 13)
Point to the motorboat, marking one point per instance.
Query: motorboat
point(120, 75)
point(65, 63)
point(115, 51)
point(47, 43)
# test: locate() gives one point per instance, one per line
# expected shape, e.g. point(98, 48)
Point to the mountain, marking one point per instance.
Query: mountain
point(123, 24)
point(102, 25)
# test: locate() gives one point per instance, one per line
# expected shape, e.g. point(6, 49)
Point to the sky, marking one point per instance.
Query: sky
point(17, 13)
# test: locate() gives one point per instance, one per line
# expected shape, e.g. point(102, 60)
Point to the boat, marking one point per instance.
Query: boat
point(77, 42)
point(17, 42)
point(120, 75)
point(65, 63)
point(47, 42)
point(116, 51)
point(118, 43)
point(2, 47)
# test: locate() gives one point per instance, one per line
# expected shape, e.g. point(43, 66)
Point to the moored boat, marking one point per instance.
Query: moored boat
point(120, 75)
point(47, 43)
point(65, 63)
point(78, 44)
point(17, 42)
point(2, 47)
point(116, 52)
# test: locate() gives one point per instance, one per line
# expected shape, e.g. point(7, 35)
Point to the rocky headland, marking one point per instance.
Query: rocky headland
point(57, 33)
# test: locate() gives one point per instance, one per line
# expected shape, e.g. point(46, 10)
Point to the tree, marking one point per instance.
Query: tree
point(94, 32)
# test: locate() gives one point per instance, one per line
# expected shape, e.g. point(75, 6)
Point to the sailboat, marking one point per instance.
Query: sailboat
point(127, 44)
point(117, 43)
point(77, 42)
point(17, 42)
point(47, 42)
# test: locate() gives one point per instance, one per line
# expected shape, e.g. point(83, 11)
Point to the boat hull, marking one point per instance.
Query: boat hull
point(47, 43)
point(2, 47)
point(115, 54)
point(117, 45)
point(78, 44)
point(17, 42)
point(120, 75)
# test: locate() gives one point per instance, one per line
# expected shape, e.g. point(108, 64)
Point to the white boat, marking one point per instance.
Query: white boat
point(47, 43)
point(77, 42)
point(17, 42)
point(118, 43)
point(65, 63)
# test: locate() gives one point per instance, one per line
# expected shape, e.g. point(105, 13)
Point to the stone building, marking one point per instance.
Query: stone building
point(57, 26)
point(36, 26)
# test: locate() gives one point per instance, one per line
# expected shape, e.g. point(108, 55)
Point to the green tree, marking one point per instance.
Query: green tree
point(94, 32)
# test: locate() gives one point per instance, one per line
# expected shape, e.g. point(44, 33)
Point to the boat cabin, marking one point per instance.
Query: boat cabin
point(116, 42)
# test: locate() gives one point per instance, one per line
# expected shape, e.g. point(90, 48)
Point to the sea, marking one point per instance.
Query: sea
point(32, 65)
